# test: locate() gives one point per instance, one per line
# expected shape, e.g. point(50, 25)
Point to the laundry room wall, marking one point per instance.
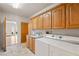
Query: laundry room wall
point(11, 17)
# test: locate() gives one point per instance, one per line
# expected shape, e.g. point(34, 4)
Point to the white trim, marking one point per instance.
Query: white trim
point(11, 22)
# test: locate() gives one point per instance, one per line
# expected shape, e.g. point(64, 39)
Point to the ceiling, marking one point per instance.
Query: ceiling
point(25, 9)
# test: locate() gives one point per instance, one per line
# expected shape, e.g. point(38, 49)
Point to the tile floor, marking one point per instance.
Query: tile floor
point(17, 50)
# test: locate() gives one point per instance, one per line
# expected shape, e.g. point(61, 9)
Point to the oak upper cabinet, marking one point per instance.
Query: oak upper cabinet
point(58, 17)
point(40, 22)
point(34, 23)
point(29, 26)
point(47, 20)
point(72, 15)
point(37, 23)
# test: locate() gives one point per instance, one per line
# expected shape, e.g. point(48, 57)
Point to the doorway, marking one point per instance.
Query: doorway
point(11, 33)
point(24, 32)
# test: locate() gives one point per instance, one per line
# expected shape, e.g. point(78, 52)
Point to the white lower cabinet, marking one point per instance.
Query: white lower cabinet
point(51, 50)
point(55, 51)
point(41, 48)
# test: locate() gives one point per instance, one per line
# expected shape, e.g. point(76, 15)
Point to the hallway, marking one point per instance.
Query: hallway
point(17, 50)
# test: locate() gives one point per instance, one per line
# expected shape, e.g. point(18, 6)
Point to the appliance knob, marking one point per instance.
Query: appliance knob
point(60, 37)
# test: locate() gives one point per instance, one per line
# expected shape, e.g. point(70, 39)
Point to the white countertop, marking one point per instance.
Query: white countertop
point(73, 48)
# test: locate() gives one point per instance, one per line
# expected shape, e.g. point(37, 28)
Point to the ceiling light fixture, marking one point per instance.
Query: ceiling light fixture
point(16, 5)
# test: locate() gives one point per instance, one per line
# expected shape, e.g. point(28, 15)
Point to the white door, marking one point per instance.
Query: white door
point(41, 49)
point(11, 33)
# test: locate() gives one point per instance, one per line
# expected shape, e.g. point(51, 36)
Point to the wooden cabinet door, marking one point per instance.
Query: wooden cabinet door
point(28, 42)
point(30, 26)
point(24, 32)
point(72, 13)
point(47, 20)
point(34, 23)
point(58, 17)
point(40, 22)
point(33, 45)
